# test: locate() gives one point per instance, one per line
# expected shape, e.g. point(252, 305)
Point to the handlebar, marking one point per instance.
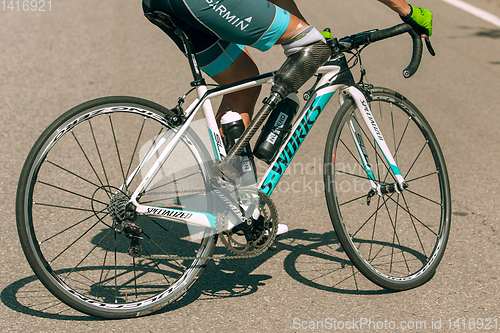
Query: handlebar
point(417, 44)
point(367, 37)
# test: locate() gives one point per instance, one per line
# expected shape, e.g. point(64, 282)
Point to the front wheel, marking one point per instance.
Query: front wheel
point(74, 184)
point(398, 240)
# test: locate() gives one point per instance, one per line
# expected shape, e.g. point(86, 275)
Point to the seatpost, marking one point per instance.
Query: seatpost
point(193, 62)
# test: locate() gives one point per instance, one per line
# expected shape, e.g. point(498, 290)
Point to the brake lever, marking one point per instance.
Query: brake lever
point(429, 46)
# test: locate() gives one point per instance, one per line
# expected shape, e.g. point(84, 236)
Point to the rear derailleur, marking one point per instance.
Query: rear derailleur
point(124, 216)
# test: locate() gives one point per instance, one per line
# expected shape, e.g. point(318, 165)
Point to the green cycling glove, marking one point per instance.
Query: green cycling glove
point(326, 34)
point(420, 19)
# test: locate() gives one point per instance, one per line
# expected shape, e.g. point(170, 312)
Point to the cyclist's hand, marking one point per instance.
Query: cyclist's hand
point(327, 34)
point(420, 19)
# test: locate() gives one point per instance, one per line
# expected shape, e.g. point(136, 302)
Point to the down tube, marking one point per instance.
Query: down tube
point(293, 143)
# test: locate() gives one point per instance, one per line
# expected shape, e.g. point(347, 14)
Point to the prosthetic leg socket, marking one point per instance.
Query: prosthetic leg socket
point(300, 67)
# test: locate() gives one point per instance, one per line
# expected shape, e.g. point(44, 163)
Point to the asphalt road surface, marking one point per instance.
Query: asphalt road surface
point(78, 50)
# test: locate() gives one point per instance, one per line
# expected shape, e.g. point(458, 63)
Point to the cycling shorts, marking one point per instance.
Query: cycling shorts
point(223, 27)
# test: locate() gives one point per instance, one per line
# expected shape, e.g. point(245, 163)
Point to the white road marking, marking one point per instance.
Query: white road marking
point(482, 14)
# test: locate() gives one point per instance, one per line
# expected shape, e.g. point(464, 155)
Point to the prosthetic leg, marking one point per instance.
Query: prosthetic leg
point(295, 71)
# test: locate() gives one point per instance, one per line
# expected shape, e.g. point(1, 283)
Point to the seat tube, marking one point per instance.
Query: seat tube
point(201, 89)
point(213, 129)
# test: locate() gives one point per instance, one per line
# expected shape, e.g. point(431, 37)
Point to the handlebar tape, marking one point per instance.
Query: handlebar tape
point(417, 44)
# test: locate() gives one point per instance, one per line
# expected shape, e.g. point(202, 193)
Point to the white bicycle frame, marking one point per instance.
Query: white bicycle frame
point(328, 84)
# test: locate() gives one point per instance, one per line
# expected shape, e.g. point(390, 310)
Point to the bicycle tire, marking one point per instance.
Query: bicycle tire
point(399, 239)
point(74, 169)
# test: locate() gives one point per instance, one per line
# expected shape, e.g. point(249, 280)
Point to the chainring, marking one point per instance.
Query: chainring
point(263, 231)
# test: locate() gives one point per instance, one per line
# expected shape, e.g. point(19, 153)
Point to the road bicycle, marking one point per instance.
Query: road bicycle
point(121, 201)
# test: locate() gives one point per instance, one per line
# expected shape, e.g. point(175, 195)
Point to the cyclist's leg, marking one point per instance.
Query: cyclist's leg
point(243, 101)
point(260, 24)
point(289, 6)
point(225, 62)
point(244, 67)
point(256, 23)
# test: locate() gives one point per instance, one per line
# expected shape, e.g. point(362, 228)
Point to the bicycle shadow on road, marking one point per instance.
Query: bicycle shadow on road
point(480, 32)
point(314, 260)
point(28, 296)
point(490, 33)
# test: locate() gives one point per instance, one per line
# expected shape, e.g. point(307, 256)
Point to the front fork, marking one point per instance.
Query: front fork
point(364, 108)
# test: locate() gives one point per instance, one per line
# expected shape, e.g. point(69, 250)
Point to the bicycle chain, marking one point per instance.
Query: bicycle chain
point(223, 257)
point(215, 258)
point(175, 192)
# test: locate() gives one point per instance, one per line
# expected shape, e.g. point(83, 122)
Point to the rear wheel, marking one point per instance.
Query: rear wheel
point(71, 191)
point(399, 239)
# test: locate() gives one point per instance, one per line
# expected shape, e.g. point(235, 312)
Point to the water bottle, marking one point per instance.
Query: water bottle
point(276, 128)
point(232, 128)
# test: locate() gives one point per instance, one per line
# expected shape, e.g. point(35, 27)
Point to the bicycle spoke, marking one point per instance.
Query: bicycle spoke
point(352, 200)
point(413, 216)
point(370, 258)
point(87, 158)
point(75, 241)
point(116, 147)
point(395, 236)
point(63, 207)
point(424, 176)
point(135, 277)
point(424, 197)
point(151, 147)
point(71, 173)
point(369, 218)
point(352, 154)
point(170, 233)
point(135, 147)
point(85, 257)
point(115, 266)
point(72, 192)
point(103, 265)
point(154, 141)
point(74, 225)
point(162, 250)
point(99, 153)
point(416, 159)
point(157, 267)
point(402, 136)
point(373, 232)
point(173, 181)
point(351, 174)
point(414, 226)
